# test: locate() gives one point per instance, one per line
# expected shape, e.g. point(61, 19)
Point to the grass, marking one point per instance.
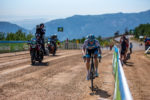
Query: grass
point(12, 47)
point(118, 97)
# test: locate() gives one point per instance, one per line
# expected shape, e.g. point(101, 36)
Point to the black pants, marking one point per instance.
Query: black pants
point(43, 45)
point(54, 45)
point(41, 41)
point(130, 50)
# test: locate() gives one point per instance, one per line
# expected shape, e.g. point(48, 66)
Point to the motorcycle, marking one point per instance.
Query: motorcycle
point(36, 51)
point(51, 47)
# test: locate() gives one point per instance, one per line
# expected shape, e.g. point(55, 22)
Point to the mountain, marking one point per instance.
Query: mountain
point(101, 25)
point(9, 27)
point(29, 23)
point(79, 26)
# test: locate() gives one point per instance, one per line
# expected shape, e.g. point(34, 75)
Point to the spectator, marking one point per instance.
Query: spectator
point(123, 42)
point(131, 46)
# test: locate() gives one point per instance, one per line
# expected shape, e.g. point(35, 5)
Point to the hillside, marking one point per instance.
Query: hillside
point(9, 27)
point(105, 25)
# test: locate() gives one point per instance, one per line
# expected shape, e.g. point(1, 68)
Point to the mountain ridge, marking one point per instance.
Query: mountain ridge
point(104, 25)
point(8, 27)
point(78, 26)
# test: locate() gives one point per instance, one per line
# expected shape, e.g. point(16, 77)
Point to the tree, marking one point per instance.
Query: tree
point(2, 36)
point(142, 29)
point(11, 36)
point(20, 35)
point(82, 39)
point(29, 36)
point(116, 33)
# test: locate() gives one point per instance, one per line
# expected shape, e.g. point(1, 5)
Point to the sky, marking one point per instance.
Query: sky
point(54, 9)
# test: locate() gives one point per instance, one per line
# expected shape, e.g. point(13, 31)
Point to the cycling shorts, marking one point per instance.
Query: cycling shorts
point(91, 51)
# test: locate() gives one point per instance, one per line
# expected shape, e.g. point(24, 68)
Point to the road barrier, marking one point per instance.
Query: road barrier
point(14, 41)
point(121, 91)
point(13, 46)
point(71, 45)
point(147, 51)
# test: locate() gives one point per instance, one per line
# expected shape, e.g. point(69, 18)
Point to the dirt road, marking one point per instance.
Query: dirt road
point(137, 71)
point(61, 77)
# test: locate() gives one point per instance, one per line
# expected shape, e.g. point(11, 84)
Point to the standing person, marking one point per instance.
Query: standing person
point(66, 43)
point(123, 42)
point(40, 32)
point(91, 46)
point(127, 47)
point(131, 46)
point(54, 40)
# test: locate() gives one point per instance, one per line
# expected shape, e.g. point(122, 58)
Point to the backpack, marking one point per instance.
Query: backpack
point(147, 43)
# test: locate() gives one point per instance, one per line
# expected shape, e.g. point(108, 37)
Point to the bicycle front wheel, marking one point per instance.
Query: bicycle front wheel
point(92, 87)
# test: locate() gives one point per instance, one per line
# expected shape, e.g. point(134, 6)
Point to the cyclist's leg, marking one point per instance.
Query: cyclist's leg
point(88, 68)
point(88, 55)
point(87, 64)
point(96, 61)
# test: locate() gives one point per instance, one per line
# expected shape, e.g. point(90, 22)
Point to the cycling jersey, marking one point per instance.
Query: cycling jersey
point(89, 46)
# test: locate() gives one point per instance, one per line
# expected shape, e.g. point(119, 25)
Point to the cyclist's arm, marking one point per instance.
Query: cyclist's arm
point(84, 48)
point(99, 47)
point(99, 50)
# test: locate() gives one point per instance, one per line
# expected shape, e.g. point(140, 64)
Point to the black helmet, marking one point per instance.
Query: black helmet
point(37, 26)
point(55, 35)
point(42, 24)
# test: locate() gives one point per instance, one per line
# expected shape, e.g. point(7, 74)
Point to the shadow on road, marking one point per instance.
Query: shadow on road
point(129, 63)
point(41, 64)
point(54, 56)
point(128, 56)
point(100, 92)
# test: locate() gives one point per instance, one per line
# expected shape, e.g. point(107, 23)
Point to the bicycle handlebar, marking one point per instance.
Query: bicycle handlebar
point(91, 57)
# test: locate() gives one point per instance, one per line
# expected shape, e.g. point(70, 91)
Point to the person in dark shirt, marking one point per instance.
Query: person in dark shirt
point(40, 32)
point(131, 46)
point(123, 42)
point(54, 40)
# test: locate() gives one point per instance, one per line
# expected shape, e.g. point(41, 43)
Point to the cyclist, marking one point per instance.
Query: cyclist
point(91, 45)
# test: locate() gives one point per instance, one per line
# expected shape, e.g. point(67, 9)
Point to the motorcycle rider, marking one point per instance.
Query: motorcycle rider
point(54, 40)
point(91, 45)
point(40, 32)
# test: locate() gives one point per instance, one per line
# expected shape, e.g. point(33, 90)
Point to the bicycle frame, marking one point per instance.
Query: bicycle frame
point(92, 72)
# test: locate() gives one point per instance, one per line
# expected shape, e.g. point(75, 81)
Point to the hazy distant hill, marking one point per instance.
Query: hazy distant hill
point(9, 27)
point(29, 23)
point(105, 25)
point(78, 26)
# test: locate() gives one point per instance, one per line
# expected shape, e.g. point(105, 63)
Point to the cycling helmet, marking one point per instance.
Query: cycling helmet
point(91, 37)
